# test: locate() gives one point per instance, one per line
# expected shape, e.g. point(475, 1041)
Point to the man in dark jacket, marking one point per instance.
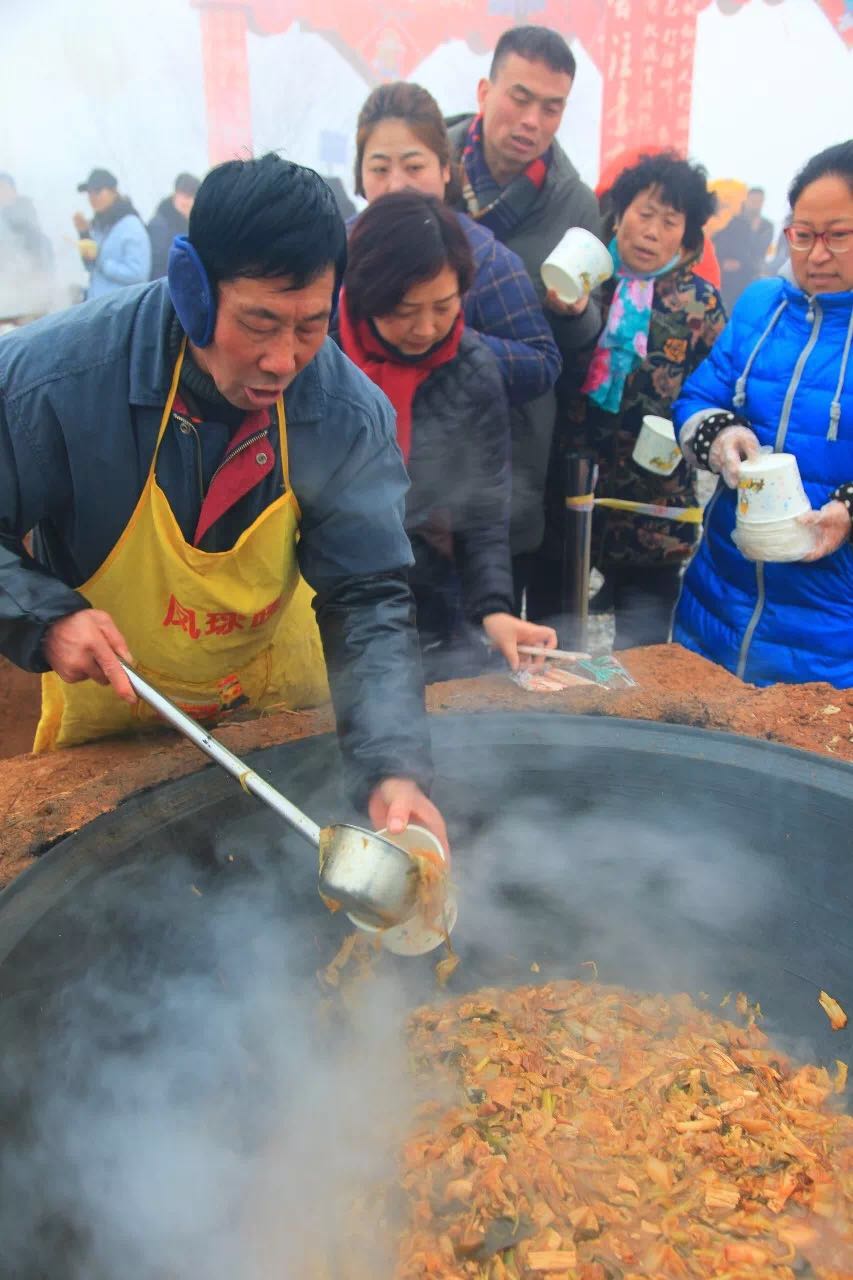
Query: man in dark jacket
point(176, 444)
point(518, 182)
point(171, 219)
point(741, 247)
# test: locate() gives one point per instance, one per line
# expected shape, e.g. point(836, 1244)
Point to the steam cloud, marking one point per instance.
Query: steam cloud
point(201, 1114)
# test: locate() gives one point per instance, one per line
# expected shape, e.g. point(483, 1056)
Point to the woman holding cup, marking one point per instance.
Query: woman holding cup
point(661, 322)
point(781, 380)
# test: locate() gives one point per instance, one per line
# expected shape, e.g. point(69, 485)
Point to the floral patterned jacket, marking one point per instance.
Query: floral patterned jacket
point(687, 319)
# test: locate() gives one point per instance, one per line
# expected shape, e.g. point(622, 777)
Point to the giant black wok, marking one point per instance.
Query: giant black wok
point(676, 859)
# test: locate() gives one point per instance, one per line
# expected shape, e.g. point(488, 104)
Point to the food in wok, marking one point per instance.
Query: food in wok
point(592, 1133)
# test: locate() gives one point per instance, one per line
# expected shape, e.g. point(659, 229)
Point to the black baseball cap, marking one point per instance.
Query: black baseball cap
point(99, 180)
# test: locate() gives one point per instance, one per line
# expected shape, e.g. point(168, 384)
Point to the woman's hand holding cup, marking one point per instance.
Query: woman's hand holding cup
point(830, 527)
point(554, 303)
point(732, 447)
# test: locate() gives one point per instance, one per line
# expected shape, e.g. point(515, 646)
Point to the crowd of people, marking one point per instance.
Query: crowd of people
point(116, 247)
point(396, 411)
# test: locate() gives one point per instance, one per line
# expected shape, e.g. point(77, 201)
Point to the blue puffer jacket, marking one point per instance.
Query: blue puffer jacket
point(124, 255)
point(784, 362)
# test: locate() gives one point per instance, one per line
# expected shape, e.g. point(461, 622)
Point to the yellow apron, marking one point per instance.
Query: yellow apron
point(212, 630)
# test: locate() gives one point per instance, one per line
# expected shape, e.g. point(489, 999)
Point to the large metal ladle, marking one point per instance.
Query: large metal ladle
point(372, 879)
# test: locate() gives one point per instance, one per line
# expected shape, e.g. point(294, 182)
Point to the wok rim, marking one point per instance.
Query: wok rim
point(52, 875)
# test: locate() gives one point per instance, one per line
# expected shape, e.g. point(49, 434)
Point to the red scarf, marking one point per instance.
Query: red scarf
point(398, 377)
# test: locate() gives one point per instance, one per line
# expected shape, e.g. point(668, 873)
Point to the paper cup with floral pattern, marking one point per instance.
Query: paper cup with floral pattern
point(770, 489)
point(579, 264)
point(657, 449)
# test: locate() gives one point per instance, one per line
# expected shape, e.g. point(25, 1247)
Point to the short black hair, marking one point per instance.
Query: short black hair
point(187, 184)
point(755, 191)
point(401, 240)
point(835, 162)
point(682, 185)
point(265, 218)
point(537, 44)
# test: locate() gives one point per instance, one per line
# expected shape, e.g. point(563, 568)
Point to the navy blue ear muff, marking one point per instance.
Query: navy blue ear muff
point(193, 296)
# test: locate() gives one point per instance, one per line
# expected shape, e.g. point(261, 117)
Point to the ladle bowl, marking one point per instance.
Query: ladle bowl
point(371, 877)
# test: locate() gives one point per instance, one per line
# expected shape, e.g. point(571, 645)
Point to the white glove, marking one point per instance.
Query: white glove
point(830, 527)
point(732, 447)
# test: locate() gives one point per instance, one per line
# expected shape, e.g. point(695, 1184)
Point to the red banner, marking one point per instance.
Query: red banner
point(226, 82)
point(648, 75)
point(643, 48)
point(386, 39)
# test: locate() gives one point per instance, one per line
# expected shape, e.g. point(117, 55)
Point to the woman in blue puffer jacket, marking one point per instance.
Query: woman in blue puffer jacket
point(781, 375)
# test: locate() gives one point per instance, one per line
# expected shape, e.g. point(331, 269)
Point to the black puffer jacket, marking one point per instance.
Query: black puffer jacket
point(167, 223)
point(457, 510)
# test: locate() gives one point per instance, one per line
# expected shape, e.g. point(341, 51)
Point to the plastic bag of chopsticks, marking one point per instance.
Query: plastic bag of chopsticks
point(563, 670)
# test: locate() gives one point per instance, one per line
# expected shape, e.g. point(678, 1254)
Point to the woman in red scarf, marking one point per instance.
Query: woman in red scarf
point(400, 320)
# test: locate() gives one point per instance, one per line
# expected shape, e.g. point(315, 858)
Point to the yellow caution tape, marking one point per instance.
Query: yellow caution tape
point(682, 515)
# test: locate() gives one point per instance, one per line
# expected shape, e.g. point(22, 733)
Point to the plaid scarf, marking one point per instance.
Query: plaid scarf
point(501, 209)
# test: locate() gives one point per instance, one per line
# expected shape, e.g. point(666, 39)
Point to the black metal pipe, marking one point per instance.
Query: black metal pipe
point(579, 479)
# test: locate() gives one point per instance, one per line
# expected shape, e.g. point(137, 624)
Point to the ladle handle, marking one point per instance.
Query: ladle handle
point(232, 764)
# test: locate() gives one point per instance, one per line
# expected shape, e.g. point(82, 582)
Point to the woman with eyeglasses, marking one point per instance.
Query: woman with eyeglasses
point(781, 376)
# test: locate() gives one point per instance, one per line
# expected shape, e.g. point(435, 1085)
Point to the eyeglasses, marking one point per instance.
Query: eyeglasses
point(802, 240)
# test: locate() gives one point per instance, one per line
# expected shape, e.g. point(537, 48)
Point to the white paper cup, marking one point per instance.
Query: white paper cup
point(657, 449)
point(770, 489)
point(415, 936)
point(778, 541)
point(579, 264)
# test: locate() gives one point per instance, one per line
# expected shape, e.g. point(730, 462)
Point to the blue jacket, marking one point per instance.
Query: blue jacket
point(81, 397)
point(784, 362)
point(502, 307)
point(124, 256)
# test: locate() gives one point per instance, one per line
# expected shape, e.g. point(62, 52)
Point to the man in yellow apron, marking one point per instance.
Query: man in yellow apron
point(197, 460)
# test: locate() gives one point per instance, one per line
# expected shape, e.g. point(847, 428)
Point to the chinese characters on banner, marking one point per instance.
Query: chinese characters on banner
point(648, 75)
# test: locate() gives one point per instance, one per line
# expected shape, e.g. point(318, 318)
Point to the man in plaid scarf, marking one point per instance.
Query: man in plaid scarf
point(518, 182)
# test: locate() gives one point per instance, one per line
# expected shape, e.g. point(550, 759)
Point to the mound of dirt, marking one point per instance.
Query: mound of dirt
point(45, 797)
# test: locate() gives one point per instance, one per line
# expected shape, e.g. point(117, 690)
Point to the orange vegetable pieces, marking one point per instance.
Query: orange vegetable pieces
point(832, 1009)
point(501, 1091)
point(584, 1132)
point(558, 1260)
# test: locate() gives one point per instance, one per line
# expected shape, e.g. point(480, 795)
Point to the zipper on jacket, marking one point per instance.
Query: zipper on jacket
point(816, 315)
point(240, 448)
point(188, 427)
point(753, 622)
